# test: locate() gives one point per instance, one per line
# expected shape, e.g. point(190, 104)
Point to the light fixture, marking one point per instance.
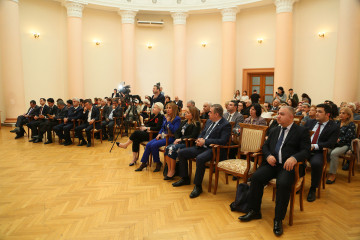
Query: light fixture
point(321, 34)
point(97, 42)
point(36, 35)
point(203, 44)
point(260, 40)
point(149, 45)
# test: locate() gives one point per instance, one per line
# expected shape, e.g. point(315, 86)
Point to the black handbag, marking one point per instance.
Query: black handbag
point(241, 199)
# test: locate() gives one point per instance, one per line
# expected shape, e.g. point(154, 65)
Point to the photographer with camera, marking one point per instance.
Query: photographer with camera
point(280, 95)
point(131, 114)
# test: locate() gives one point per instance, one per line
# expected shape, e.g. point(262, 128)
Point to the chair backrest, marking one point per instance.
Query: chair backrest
point(252, 137)
point(297, 119)
point(268, 120)
point(202, 123)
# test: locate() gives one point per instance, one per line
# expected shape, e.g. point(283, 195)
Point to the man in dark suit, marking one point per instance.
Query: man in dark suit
point(285, 146)
point(90, 115)
point(24, 119)
point(179, 103)
point(157, 97)
point(74, 113)
point(217, 131)
point(39, 118)
point(205, 112)
point(233, 116)
point(49, 120)
point(326, 134)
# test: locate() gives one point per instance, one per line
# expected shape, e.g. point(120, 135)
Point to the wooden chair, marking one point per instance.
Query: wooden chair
point(151, 136)
point(30, 118)
point(94, 130)
point(202, 123)
point(252, 138)
point(298, 185)
point(297, 119)
point(357, 125)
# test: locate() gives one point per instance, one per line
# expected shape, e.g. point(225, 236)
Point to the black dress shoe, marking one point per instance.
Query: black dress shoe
point(330, 182)
point(15, 130)
point(118, 144)
point(32, 140)
point(250, 216)
point(196, 191)
point(142, 166)
point(278, 228)
point(82, 143)
point(132, 163)
point(312, 195)
point(19, 136)
point(346, 166)
point(158, 167)
point(88, 144)
point(37, 140)
point(48, 142)
point(182, 181)
point(67, 143)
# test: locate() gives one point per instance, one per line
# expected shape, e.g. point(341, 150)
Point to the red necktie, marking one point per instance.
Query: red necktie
point(316, 136)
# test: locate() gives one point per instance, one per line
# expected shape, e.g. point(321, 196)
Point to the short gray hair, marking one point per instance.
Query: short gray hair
point(61, 103)
point(192, 102)
point(218, 109)
point(290, 109)
point(76, 99)
point(208, 103)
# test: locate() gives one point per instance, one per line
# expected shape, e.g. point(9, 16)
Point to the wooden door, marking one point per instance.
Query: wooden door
point(263, 83)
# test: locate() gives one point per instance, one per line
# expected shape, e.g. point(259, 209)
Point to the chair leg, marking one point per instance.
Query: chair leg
point(210, 177)
point(190, 169)
point(292, 202)
point(227, 178)
point(274, 193)
point(216, 180)
point(101, 136)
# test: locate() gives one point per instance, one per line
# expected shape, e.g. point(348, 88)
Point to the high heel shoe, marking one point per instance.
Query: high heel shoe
point(328, 181)
point(169, 178)
point(142, 166)
point(158, 167)
point(132, 163)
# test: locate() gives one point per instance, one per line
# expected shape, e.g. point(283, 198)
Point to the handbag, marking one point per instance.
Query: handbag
point(241, 199)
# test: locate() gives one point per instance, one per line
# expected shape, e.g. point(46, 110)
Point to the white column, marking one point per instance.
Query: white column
point(128, 48)
point(228, 67)
point(11, 60)
point(284, 44)
point(75, 49)
point(179, 79)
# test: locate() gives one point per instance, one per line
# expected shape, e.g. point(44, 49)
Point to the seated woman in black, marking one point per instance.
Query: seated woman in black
point(154, 124)
point(189, 128)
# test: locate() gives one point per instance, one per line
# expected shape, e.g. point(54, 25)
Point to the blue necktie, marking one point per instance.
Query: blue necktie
point(279, 142)
point(209, 130)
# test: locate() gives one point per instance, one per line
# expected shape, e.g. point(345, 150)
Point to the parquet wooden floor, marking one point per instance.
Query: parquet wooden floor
point(57, 192)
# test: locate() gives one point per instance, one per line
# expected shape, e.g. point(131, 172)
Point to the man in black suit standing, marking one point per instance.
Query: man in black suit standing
point(24, 119)
point(38, 119)
point(285, 146)
point(217, 131)
point(326, 134)
point(115, 94)
point(157, 97)
point(90, 115)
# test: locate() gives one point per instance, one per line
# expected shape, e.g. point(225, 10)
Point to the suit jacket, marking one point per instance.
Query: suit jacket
point(155, 122)
point(328, 136)
point(297, 144)
point(105, 109)
point(74, 114)
point(44, 112)
point(237, 118)
point(95, 114)
point(61, 113)
point(219, 135)
point(179, 104)
point(116, 95)
point(34, 111)
point(119, 112)
point(52, 111)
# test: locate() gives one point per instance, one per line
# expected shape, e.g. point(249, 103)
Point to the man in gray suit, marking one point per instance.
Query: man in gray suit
point(233, 116)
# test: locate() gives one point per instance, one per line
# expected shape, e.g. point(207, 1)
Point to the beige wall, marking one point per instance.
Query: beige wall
point(102, 63)
point(252, 24)
point(204, 63)
point(314, 57)
point(156, 64)
point(44, 59)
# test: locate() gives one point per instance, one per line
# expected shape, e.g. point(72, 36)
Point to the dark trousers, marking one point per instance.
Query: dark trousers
point(202, 156)
point(63, 131)
point(110, 128)
point(20, 122)
point(316, 161)
point(87, 127)
point(47, 126)
point(34, 126)
point(284, 180)
point(137, 137)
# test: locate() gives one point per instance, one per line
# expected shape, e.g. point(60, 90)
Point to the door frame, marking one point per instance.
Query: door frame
point(247, 73)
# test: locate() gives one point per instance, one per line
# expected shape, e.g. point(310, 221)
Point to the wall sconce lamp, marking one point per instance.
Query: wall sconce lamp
point(321, 34)
point(149, 45)
point(97, 42)
point(36, 35)
point(203, 44)
point(260, 40)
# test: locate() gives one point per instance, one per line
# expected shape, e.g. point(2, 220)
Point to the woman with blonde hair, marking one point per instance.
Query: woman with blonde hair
point(347, 134)
point(170, 124)
point(189, 128)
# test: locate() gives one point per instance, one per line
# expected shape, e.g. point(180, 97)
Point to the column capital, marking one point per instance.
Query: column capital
point(75, 8)
point(229, 14)
point(128, 16)
point(179, 17)
point(284, 5)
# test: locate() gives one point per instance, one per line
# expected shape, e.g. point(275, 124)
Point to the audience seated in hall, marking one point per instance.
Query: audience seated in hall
point(352, 106)
point(24, 119)
point(205, 111)
point(38, 119)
